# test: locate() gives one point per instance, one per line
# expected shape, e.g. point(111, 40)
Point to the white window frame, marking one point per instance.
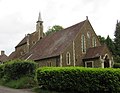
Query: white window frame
point(83, 44)
point(88, 34)
point(89, 62)
point(68, 58)
point(94, 42)
point(49, 64)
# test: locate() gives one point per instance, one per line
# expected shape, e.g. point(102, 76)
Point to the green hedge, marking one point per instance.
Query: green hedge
point(1, 70)
point(78, 79)
point(16, 69)
point(116, 59)
point(116, 65)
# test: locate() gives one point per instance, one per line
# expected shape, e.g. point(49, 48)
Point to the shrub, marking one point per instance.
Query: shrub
point(116, 59)
point(23, 82)
point(16, 69)
point(1, 71)
point(83, 80)
point(116, 65)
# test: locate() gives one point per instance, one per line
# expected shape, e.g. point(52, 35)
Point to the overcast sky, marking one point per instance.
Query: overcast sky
point(18, 17)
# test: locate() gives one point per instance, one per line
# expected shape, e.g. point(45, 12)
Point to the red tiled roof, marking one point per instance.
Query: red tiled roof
point(22, 42)
point(12, 56)
point(95, 52)
point(54, 44)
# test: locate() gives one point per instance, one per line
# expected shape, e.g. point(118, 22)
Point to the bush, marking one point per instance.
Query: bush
point(23, 82)
point(116, 65)
point(83, 80)
point(16, 69)
point(117, 59)
point(1, 71)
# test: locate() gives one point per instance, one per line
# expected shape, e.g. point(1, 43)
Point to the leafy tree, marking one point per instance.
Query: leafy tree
point(101, 39)
point(55, 28)
point(110, 44)
point(108, 41)
point(117, 39)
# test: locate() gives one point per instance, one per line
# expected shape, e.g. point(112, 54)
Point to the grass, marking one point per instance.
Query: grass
point(22, 83)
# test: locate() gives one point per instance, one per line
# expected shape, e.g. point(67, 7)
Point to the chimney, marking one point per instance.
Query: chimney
point(2, 52)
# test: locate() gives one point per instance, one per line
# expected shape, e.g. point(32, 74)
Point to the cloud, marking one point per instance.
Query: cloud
point(18, 17)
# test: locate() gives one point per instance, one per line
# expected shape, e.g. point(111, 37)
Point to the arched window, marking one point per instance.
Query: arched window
point(88, 39)
point(68, 58)
point(83, 44)
point(94, 42)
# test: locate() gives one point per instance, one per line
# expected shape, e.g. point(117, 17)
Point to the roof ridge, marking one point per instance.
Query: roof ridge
point(74, 25)
point(54, 43)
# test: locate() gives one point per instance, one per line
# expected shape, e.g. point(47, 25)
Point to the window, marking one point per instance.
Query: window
point(33, 42)
point(49, 64)
point(94, 42)
point(89, 64)
point(68, 58)
point(0, 62)
point(21, 53)
point(83, 44)
point(88, 39)
point(88, 34)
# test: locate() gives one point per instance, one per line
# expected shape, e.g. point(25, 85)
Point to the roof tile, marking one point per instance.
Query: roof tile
point(54, 44)
point(95, 52)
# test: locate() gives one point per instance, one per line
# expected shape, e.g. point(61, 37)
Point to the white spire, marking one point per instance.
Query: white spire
point(39, 17)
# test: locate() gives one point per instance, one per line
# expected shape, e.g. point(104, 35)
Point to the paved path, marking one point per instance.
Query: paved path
point(9, 90)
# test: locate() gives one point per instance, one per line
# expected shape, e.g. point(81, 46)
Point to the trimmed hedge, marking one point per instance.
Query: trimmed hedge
point(116, 65)
point(1, 70)
point(79, 79)
point(16, 69)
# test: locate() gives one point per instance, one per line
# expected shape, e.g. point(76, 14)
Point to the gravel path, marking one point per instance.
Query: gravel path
point(10, 90)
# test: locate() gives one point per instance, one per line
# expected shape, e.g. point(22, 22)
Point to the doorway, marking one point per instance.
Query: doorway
point(106, 62)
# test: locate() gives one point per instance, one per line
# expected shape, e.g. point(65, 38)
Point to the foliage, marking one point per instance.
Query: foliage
point(23, 82)
point(77, 79)
point(18, 74)
point(16, 69)
point(55, 28)
point(101, 39)
point(117, 38)
point(116, 65)
point(117, 59)
point(1, 71)
point(110, 45)
point(108, 41)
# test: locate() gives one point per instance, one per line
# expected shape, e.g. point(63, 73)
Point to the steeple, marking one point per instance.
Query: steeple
point(39, 18)
point(39, 27)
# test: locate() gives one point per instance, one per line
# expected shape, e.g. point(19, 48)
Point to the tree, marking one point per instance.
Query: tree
point(117, 39)
point(101, 39)
point(110, 44)
point(108, 41)
point(55, 28)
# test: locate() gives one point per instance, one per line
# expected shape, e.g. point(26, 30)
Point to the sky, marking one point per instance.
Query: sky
point(18, 17)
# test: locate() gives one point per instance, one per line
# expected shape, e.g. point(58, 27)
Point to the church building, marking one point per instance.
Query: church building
point(77, 45)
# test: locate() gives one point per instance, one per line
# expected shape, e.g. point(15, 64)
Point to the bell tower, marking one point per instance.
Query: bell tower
point(39, 27)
